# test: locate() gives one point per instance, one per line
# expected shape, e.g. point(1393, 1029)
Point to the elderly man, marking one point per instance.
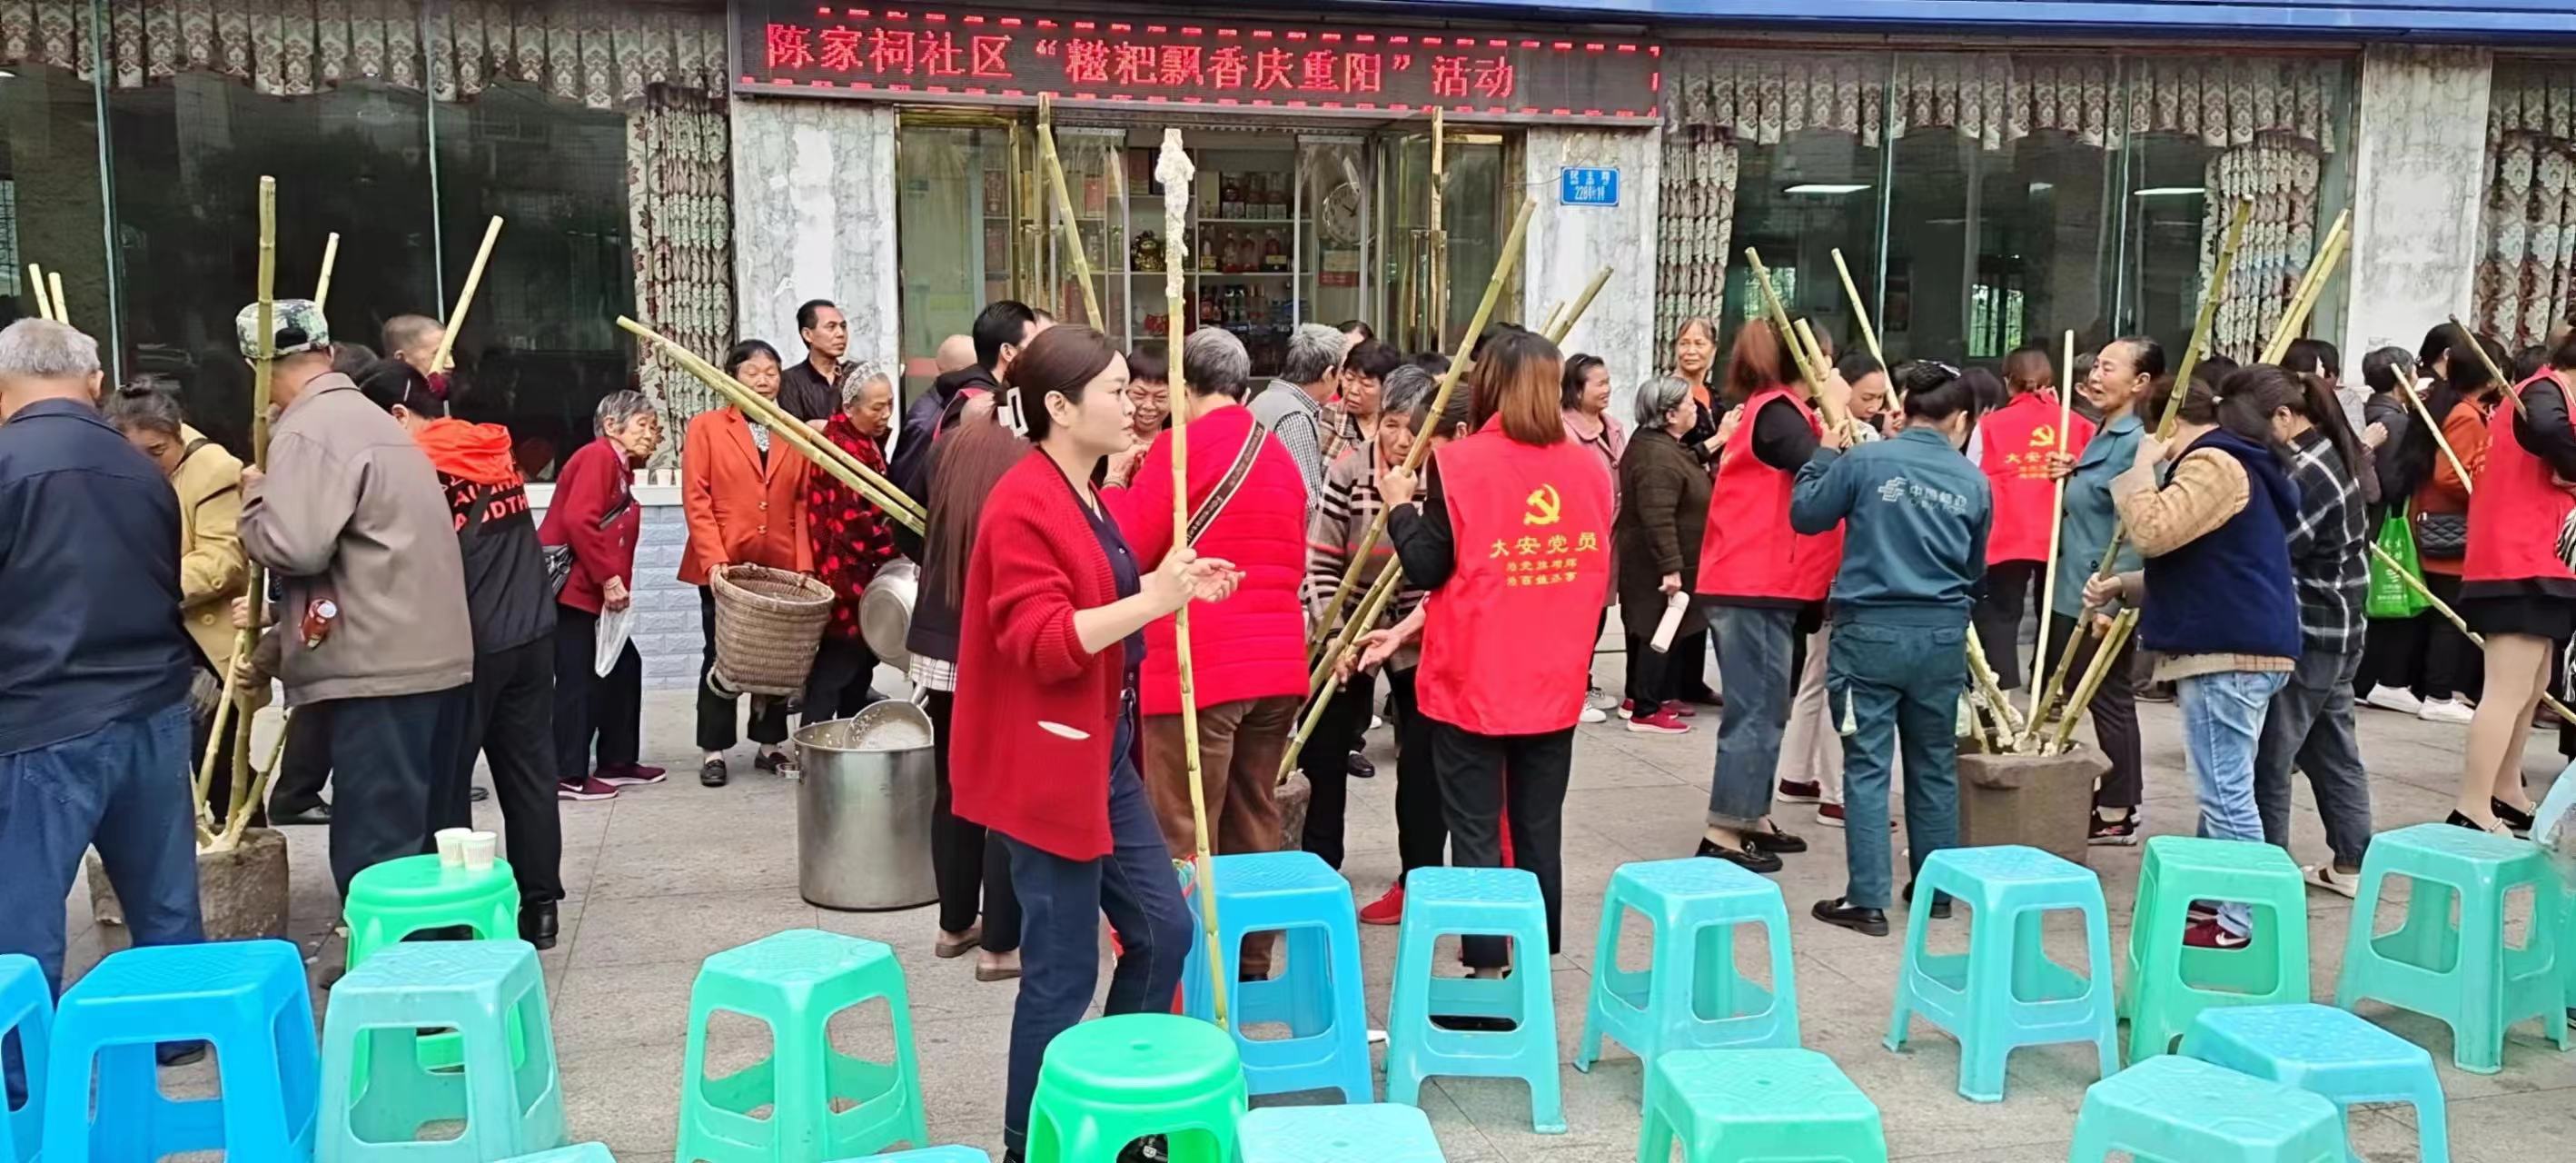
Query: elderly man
point(373, 622)
point(95, 661)
point(1293, 405)
point(1002, 328)
point(811, 390)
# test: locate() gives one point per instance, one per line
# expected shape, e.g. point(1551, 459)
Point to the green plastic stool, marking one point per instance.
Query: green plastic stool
point(1107, 1083)
point(2171, 1109)
point(577, 1153)
point(2168, 983)
point(2463, 974)
point(1748, 1106)
point(393, 899)
point(795, 982)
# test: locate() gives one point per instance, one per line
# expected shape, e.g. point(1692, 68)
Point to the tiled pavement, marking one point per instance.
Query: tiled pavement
point(663, 876)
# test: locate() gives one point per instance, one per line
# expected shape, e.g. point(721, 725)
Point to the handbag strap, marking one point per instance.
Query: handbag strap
point(1214, 506)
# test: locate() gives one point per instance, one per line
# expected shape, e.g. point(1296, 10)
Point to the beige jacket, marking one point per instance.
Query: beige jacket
point(351, 510)
point(210, 555)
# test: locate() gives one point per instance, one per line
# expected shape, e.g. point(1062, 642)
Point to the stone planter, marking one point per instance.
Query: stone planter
point(2044, 801)
point(1293, 796)
point(243, 892)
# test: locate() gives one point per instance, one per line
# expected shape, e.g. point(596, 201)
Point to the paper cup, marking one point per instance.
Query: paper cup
point(451, 846)
point(478, 851)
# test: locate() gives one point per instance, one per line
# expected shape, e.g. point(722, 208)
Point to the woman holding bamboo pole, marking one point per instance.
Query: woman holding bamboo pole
point(2451, 459)
point(2014, 445)
point(2124, 372)
point(2393, 659)
point(743, 491)
point(1811, 748)
point(2515, 588)
point(1050, 646)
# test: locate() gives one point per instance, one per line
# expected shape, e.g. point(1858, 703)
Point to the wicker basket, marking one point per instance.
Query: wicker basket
point(768, 624)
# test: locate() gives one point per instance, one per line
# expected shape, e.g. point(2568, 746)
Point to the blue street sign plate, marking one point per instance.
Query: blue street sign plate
point(1588, 186)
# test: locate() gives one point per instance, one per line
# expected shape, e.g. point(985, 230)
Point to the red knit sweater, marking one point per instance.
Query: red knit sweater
point(1253, 644)
point(1029, 747)
point(594, 512)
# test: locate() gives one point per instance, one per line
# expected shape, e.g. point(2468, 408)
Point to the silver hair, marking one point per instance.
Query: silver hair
point(619, 409)
point(1405, 389)
point(1314, 352)
point(42, 350)
point(1659, 396)
point(856, 380)
point(1216, 363)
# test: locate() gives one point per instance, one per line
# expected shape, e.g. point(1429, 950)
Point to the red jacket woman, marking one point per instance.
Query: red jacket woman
point(742, 488)
point(2515, 586)
point(594, 513)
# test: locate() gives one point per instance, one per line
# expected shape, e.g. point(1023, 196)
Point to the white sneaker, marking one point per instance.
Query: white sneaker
point(1593, 714)
point(2445, 711)
point(2394, 698)
point(1599, 699)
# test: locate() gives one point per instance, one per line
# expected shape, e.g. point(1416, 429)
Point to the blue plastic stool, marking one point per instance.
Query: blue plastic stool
point(2463, 974)
point(932, 1155)
point(373, 1105)
point(1744, 1106)
point(1365, 1133)
point(1318, 993)
point(2170, 1108)
point(1690, 997)
point(577, 1153)
point(246, 999)
point(1485, 902)
point(2332, 1053)
point(2006, 993)
point(27, 1010)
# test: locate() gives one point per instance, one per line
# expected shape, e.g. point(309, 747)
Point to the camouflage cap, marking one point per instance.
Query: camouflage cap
point(298, 326)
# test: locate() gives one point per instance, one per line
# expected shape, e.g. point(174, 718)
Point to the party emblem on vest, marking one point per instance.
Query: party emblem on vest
point(1546, 506)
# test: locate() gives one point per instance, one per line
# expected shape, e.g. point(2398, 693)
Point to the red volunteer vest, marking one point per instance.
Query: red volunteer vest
point(1507, 640)
point(1750, 551)
point(2015, 442)
point(2516, 511)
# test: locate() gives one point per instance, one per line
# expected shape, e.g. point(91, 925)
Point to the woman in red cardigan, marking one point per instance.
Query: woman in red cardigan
point(594, 514)
point(1051, 638)
point(851, 539)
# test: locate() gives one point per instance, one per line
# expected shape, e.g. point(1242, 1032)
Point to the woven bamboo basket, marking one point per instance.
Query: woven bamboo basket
point(768, 624)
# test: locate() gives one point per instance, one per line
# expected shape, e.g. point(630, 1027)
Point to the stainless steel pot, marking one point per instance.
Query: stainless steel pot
point(863, 809)
point(885, 611)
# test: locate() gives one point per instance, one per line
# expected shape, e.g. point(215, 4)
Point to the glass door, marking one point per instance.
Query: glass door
point(964, 235)
point(1425, 299)
point(1332, 221)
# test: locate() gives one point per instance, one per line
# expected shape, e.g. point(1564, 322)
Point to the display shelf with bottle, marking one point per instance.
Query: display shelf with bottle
point(1240, 227)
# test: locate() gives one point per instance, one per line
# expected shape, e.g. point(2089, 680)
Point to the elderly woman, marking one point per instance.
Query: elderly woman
point(851, 538)
point(594, 516)
point(743, 490)
point(1663, 508)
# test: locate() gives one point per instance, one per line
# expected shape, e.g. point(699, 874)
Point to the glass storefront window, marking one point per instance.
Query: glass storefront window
point(51, 214)
point(958, 234)
point(1999, 247)
point(1796, 202)
point(2160, 263)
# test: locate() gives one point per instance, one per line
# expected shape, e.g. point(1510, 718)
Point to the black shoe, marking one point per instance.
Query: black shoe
point(318, 814)
point(2516, 819)
point(179, 1053)
point(537, 924)
point(772, 762)
point(1840, 911)
point(1940, 904)
point(712, 773)
point(1703, 697)
point(477, 794)
point(1361, 768)
point(1150, 1149)
point(2457, 820)
point(1745, 858)
point(1467, 1025)
point(1769, 838)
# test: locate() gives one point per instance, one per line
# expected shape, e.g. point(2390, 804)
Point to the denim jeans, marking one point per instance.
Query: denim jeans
point(1061, 902)
point(1891, 685)
point(2309, 727)
point(2222, 723)
point(1754, 644)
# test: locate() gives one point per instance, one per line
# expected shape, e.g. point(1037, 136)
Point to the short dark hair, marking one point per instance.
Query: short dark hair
point(1430, 361)
point(1936, 391)
point(1857, 365)
point(149, 404)
point(1371, 358)
point(2310, 357)
point(2384, 368)
point(811, 313)
point(389, 382)
point(1062, 361)
point(1358, 327)
point(1148, 365)
point(1578, 368)
point(2151, 354)
point(402, 331)
point(747, 350)
point(1003, 321)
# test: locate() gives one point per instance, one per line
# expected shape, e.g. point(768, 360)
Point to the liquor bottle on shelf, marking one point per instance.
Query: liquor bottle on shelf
point(1230, 200)
point(1274, 253)
point(1277, 206)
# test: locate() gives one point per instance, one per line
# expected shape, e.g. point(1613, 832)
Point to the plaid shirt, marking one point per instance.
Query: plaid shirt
point(1342, 517)
point(2328, 561)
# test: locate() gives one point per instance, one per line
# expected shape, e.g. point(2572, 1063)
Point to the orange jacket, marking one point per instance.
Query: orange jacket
point(740, 510)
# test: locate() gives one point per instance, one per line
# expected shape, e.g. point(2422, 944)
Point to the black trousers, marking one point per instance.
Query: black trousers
point(2114, 711)
point(716, 712)
point(305, 766)
point(972, 867)
point(1484, 778)
point(1650, 674)
point(591, 706)
point(1327, 764)
point(842, 681)
point(1421, 831)
point(1998, 616)
point(513, 722)
point(402, 781)
point(1686, 668)
point(2426, 653)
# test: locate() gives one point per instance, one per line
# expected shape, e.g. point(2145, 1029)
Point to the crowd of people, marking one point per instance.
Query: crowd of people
point(1836, 544)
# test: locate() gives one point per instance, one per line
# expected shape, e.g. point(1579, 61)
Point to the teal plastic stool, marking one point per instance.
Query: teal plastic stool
point(2332, 1053)
point(1494, 902)
point(1317, 994)
point(2006, 993)
point(2168, 983)
point(1107, 1083)
point(1690, 997)
point(933, 1155)
point(577, 1153)
point(2462, 974)
point(393, 899)
point(374, 1104)
point(26, 1010)
point(1755, 1106)
point(2171, 1109)
point(1382, 1132)
point(795, 981)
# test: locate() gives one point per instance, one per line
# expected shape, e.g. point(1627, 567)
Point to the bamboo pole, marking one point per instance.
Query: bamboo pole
point(1319, 695)
point(254, 581)
point(1564, 324)
point(36, 288)
point(1064, 213)
point(1503, 267)
point(2417, 584)
point(465, 298)
point(2440, 441)
point(330, 257)
point(1796, 343)
point(1175, 171)
point(62, 305)
point(829, 457)
point(2104, 657)
point(2477, 343)
point(2312, 284)
point(2056, 533)
point(1851, 291)
point(1554, 312)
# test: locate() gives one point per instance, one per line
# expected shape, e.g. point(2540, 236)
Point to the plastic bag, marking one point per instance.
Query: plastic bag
point(2390, 596)
point(2553, 826)
point(615, 626)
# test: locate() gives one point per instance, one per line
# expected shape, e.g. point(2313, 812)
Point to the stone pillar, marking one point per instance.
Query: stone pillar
point(1566, 245)
point(2419, 182)
point(814, 218)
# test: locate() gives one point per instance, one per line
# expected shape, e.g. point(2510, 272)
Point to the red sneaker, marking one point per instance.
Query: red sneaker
point(2208, 935)
point(1627, 708)
point(1684, 710)
point(1830, 815)
point(629, 774)
point(589, 789)
point(1662, 722)
point(1385, 910)
point(1801, 791)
